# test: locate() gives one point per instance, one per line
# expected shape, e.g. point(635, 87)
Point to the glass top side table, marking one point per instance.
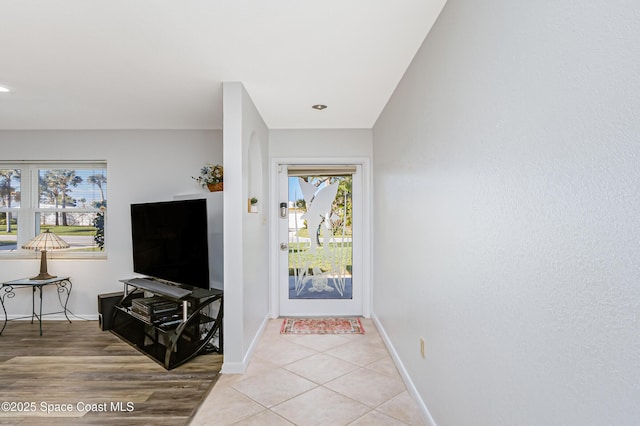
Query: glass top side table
point(63, 286)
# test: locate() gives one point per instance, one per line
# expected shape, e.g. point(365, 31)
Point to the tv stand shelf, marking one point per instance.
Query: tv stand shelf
point(174, 339)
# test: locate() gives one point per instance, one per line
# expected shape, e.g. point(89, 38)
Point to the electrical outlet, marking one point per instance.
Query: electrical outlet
point(422, 347)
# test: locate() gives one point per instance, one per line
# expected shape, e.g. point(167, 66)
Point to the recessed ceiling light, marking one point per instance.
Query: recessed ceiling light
point(4, 89)
point(319, 107)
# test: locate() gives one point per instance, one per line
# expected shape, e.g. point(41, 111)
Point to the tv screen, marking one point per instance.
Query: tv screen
point(170, 241)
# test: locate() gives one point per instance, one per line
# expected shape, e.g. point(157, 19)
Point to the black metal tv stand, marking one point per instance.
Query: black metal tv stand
point(178, 334)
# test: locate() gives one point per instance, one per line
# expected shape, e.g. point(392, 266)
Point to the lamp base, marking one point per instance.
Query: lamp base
point(43, 276)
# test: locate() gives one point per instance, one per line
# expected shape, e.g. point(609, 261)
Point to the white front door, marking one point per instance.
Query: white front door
point(320, 235)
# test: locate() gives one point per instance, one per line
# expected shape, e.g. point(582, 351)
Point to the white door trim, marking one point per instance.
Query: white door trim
point(367, 222)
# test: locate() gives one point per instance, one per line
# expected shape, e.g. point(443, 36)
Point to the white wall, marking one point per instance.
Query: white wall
point(246, 234)
point(507, 214)
point(319, 143)
point(142, 166)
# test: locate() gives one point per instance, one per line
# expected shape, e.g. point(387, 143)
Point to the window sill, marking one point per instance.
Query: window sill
point(54, 256)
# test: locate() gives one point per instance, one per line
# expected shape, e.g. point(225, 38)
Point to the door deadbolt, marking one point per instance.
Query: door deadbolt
point(284, 246)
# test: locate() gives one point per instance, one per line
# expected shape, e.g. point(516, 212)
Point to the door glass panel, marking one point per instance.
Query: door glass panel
point(320, 237)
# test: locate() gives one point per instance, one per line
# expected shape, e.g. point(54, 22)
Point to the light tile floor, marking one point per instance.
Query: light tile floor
point(313, 380)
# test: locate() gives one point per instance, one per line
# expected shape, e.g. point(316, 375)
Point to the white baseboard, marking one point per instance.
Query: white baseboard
point(241, 367)
point(233, 368)
point(51, 317)
point(411, 388)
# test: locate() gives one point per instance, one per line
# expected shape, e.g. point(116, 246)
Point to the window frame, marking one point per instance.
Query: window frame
point(28, 214)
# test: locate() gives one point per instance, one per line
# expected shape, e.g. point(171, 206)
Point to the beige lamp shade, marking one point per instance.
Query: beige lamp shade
point(47, 240)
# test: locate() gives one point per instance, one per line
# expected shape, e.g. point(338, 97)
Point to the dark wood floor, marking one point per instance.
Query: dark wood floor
point(80, 366)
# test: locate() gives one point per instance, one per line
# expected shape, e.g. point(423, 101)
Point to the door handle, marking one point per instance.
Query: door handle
point(284, 246)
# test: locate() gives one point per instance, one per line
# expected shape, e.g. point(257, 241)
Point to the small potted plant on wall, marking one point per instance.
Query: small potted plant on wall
point(211, 177)
point(253, 205)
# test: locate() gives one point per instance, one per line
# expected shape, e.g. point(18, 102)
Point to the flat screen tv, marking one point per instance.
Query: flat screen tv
point(170, 241)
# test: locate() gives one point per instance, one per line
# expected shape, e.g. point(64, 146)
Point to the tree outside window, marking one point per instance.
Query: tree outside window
point(72, 203)
point(9, 204)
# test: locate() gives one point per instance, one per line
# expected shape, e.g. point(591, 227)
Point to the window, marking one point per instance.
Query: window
point(69, 199)
point(9, 208)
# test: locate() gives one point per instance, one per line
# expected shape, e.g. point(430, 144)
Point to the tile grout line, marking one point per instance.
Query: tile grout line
point(272, 337)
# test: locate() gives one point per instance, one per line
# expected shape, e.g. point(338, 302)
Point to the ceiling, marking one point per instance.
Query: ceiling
point(160, 64)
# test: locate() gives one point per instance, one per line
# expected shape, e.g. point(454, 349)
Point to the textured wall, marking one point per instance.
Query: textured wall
point(246, 293)
point(507, 221)
point(320, 143)
point(255, 233)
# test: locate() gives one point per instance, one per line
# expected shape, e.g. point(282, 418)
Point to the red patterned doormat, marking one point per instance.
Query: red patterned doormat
point(322, 326)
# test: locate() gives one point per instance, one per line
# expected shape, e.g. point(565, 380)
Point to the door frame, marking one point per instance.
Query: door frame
point(274, 243)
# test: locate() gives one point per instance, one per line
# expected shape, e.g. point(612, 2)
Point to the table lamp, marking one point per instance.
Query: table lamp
point(47, 240)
